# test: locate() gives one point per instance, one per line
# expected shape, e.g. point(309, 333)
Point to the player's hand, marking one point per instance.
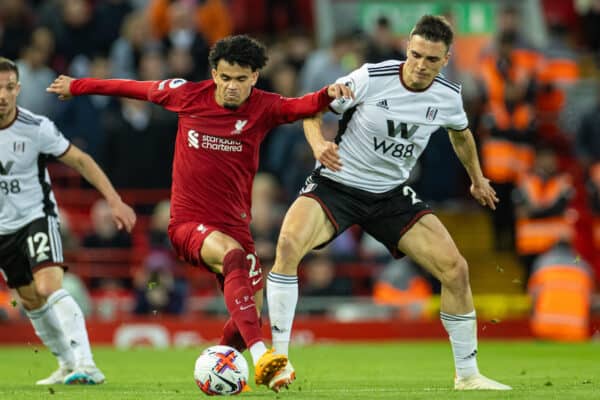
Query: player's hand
point(123, 215)
point(62, 87)
point(484, 193)
point(338, 91)
point(328, 155)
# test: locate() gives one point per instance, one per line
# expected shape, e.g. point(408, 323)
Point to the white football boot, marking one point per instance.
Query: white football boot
point(87, 375)
point(478, 382)
point(283, 378)
point(56, 377)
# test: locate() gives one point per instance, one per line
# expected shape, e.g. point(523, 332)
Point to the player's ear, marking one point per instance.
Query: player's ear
point(254, 77)
point(447, 57)
point(213, 72)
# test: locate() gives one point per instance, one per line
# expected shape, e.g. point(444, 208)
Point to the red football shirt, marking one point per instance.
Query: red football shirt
point(216, 150)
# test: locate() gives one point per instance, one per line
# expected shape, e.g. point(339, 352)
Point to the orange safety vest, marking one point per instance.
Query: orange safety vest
point(524, 66)
point(561, 308)
point(504, 160)
point(537, 235)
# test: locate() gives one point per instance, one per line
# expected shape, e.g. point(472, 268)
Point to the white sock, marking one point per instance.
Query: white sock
point(282, 297)
point(48, 329)
point(462, 330)
point(257, 350)
point(73, 325)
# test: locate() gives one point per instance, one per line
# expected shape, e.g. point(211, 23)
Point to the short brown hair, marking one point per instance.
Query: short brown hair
point(434, 28)
point(8, 65)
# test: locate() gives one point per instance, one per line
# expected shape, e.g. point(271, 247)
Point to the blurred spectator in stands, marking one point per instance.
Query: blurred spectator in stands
point(80, 119)
point(68, 239)
point(16, 23)
point(542, 199)
point(509, 22)
point(587, 147)
point(159, 222)
point(556, 73)
point(561, 288)
point(35, 75)
point(181, 64)
point(402, 284)
point(587, 140)
point(211, 17)
point(141, 126)
point(507, 128)
point(109, 16)
point(286, 146)
point(325, 65)
point(105, 232)
point(383, 43)
point(126, 52)
point(157, 290)
point(267, 214)
point(299, 46)
point(590, 24)
point(75, 31)
point(186, 42)
point(320, 278)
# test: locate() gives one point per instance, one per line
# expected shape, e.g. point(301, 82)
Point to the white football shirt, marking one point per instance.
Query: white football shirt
point(25, 191)
point(386, 127)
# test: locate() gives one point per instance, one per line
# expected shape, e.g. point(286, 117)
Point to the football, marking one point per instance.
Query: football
point(221, 370)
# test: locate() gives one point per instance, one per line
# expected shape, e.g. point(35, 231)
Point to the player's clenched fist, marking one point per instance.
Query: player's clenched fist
point(338, 90)
point(62, 87)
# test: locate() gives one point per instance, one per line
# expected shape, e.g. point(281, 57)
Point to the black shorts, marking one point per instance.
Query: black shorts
point(35, 246)
point(385, 216)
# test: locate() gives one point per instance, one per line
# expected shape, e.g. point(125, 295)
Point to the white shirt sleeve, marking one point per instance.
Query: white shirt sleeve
point(458, 120)
point(51, 140)
point(358, 81)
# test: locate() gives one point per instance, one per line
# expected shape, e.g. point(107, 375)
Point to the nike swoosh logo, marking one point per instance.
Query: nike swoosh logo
point(255, 281)
point(242, 308)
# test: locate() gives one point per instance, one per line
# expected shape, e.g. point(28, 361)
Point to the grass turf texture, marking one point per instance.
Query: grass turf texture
point(407, 370)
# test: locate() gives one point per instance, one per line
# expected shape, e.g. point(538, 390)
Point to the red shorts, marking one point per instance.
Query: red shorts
point(187, 239)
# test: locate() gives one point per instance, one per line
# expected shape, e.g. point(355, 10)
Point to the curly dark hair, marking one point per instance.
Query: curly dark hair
point(240, 49)
point(8, 65)
point(434, 28)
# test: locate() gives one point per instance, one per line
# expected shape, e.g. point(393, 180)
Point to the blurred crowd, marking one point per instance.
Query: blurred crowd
point(535, 112)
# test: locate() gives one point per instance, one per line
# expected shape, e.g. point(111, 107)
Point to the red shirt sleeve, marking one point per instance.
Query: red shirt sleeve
point(288, 109)
point(170, 93)
point(112, 87)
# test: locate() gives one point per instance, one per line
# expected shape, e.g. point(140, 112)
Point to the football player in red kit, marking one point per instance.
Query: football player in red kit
point(222, 122)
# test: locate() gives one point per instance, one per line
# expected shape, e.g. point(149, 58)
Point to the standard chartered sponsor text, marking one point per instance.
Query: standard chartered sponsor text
point(221, 144)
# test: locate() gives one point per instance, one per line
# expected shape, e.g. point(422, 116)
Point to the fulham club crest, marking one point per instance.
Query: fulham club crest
point(431, 113)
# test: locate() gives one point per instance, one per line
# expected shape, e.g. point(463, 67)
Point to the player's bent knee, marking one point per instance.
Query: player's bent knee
point(288, 247)
point(456, 273)
point(234, 259)
point(46, 288)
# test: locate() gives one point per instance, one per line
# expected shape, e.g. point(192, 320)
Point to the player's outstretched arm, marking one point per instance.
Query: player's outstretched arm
point(123, 215)
point(324, 151)
point(464, 146)
point(66, 87)
point(295, 108)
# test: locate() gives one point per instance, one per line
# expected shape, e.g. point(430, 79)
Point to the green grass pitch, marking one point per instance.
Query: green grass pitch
point(406, 370)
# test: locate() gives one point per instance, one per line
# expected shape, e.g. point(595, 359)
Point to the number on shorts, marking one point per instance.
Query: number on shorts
point(41, 239)
point(408, 191)
point(254, 268)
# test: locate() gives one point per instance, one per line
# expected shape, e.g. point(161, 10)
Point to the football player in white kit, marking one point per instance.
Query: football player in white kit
point(360, 179)
point(31, 259)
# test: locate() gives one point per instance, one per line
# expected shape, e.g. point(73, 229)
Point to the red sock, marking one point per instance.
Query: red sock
point(232, 337)
point(239, 297)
